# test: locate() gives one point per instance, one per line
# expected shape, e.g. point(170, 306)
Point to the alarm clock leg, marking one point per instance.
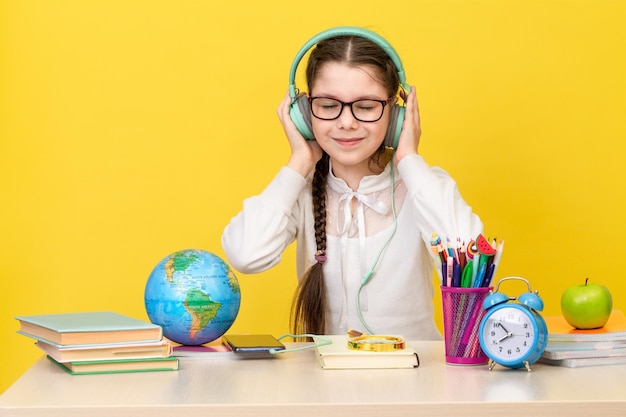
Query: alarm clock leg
point(527, 365)
point(491, 364)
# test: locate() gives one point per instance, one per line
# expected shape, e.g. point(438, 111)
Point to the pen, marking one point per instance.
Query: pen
point(450, 271)
point(488, 275)
point(481, 274)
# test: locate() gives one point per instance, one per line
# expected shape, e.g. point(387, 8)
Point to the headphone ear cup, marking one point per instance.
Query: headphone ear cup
point(300, 113)
point(395, 126)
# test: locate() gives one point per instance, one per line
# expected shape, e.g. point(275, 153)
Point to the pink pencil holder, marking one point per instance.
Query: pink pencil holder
point(462, 313)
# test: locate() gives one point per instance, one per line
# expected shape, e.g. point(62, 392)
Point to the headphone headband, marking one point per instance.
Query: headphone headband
point(346, 31)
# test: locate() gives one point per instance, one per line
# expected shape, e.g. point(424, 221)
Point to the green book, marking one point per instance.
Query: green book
point(119, 366)
point(88, 328)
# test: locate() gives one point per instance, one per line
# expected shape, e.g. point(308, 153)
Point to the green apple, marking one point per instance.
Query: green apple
point(586, 306)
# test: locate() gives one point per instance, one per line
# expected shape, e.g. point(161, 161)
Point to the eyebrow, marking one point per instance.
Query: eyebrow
point(333, 96)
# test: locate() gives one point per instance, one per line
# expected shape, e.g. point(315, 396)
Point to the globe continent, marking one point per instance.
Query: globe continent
point(193, 295)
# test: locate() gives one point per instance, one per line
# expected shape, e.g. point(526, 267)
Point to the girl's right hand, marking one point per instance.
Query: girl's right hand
point(304, 153)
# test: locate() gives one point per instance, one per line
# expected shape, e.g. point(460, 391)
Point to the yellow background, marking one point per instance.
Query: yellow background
point(132, 129)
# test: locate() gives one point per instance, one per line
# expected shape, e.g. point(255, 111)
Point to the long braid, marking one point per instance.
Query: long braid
point(308, 312)
point(319, 205)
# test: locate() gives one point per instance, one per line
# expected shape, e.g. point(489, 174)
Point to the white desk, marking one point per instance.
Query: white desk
point(294, 384)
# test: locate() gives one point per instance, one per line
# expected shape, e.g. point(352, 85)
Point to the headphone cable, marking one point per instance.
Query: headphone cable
point(369, 273)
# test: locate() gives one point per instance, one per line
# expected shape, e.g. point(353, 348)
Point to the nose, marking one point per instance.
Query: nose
point(346, 118)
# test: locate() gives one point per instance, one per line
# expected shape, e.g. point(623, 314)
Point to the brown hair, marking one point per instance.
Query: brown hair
point(308, 312)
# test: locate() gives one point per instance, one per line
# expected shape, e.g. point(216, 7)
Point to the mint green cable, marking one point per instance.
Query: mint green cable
point(324, 341)
point(369, 273)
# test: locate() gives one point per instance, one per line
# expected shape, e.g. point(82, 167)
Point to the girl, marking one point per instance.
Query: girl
point(362, 215)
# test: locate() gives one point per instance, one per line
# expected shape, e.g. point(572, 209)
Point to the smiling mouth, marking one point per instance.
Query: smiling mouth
point(348, 141)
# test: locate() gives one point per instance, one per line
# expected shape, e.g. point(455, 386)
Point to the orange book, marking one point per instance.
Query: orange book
point(559, 330)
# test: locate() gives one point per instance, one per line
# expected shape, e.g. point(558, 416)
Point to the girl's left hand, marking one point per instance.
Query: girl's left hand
point(411, 129)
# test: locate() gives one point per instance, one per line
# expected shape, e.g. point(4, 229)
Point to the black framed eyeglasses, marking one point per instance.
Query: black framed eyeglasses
point(326, 108)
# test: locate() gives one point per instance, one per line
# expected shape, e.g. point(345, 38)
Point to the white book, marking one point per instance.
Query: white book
point(580, 362)
point(159, 349)
point(337, 355)
point(582, 353)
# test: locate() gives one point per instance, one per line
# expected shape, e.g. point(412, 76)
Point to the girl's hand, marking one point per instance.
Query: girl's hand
point(304, 153)
point(411, 130)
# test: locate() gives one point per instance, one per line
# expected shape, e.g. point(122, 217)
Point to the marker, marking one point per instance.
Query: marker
point(466, 280)
point(475, 266)
point(451, 250)
point(456, 275)
point(450, 271)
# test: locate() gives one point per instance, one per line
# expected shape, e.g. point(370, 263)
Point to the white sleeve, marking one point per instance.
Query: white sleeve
point(438, 201)
point(255, 239)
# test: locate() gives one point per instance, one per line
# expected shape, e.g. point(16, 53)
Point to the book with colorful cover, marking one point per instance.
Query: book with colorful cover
point(559, 330)
point(337, 355)
point(70, 353)
point(119, 366)
point(88, 328)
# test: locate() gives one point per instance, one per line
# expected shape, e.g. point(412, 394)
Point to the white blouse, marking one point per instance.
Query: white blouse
point(365, 233)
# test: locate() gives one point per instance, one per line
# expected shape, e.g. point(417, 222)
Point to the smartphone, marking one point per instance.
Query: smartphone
point(252, 345)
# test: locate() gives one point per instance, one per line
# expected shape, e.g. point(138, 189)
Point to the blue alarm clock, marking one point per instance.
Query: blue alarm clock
point(513, 334)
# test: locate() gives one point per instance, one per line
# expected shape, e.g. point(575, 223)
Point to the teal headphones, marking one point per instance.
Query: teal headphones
point(300, 111)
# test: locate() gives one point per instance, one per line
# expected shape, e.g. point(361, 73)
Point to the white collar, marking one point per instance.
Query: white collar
point(364, 195)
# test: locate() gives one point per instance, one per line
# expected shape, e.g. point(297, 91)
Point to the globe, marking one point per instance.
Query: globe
point(193, 295)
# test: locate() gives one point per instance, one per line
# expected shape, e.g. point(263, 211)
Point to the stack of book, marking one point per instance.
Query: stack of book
point(99, 342)
point(574, 348)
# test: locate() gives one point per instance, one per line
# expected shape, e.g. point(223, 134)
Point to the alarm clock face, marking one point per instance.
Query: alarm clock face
point(508, 335)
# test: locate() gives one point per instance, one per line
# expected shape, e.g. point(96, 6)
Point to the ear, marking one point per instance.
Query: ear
point(395, 126)
point(300, 113)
